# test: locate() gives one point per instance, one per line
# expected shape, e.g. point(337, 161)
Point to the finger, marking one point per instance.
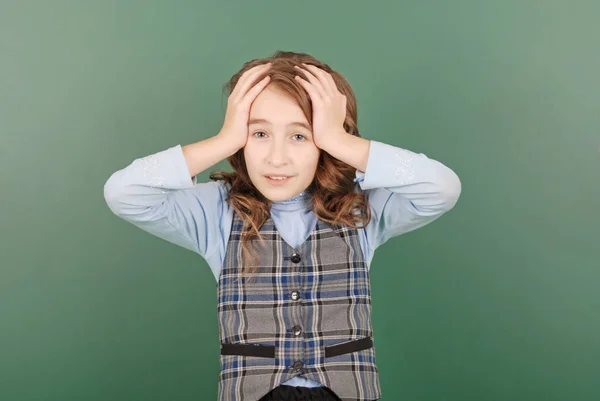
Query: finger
point(315, 82)
point(312, 91)
point(324, 77)
point(245, 81)
point(256, 89)
point(331, 81)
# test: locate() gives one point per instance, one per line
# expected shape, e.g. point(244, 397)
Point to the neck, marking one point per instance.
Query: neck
point(302, 195)
point(299, 201)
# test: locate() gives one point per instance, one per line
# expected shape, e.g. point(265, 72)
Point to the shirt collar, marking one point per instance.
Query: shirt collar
point(300, 201)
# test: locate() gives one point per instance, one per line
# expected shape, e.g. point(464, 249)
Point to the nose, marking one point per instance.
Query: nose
point(277, 154)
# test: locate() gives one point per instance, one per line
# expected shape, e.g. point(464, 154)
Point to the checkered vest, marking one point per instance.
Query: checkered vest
point(305, 311)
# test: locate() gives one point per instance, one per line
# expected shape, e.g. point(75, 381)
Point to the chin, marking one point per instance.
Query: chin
point(278, 197)
point(278, 194)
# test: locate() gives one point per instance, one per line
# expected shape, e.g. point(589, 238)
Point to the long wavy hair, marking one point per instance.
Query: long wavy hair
point(332, 191)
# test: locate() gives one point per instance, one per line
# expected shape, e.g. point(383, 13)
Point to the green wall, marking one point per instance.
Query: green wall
point(496, 301)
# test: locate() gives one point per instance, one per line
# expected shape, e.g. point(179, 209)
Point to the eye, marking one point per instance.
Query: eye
point(257, 134)
point(302, 137)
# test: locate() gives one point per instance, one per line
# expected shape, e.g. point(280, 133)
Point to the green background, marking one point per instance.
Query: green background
point(498, 300)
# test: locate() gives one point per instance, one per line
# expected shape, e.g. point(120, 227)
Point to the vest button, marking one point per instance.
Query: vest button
point(296, 258)
point(298, 366)
point(295, 295)
point(296, 330)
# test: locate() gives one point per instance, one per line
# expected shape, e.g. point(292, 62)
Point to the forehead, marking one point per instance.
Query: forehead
point(275, 107)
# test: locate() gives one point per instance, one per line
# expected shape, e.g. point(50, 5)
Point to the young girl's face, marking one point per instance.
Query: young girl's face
point(280, 144)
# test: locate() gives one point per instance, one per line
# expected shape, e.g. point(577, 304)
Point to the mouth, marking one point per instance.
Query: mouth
point(277, 179)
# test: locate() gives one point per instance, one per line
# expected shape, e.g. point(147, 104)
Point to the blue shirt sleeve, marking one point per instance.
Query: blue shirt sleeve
point(406, 190)
point(157, 194)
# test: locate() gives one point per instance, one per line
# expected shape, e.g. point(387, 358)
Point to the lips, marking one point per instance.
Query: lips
point(277, 179)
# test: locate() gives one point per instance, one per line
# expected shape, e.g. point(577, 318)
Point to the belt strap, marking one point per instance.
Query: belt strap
point(265, 351)
point(348, 347)
point(268, 351)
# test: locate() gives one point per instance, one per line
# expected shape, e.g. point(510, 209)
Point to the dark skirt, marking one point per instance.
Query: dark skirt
point(291, 393)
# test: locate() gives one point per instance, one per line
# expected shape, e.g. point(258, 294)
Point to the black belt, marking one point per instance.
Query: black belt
point(268, 351)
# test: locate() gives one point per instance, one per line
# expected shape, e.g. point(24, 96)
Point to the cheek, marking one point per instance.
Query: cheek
point(310, 160)
point(250, 156)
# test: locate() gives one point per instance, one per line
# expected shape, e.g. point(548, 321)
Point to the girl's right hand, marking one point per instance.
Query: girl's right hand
point(235, 127)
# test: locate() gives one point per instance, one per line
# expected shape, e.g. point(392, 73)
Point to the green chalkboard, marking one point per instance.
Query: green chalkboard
point(496, 301)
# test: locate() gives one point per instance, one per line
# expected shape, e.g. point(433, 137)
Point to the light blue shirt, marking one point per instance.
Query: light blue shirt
point(406, 190)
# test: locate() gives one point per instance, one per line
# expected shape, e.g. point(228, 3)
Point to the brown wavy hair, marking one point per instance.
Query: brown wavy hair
point(332, 191)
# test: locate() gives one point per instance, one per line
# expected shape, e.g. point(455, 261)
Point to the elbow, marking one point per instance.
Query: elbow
point(441, 198)
point(112, 193)
point(451, 190)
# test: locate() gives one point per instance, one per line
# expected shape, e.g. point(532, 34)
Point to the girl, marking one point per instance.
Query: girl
point(290, 233)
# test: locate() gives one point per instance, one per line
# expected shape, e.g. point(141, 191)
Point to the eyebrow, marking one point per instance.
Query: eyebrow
point(295, 123)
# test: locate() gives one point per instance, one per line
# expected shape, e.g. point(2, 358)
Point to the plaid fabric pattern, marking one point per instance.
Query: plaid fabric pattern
point(299, 308)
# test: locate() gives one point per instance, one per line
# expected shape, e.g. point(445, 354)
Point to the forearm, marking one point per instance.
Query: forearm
point(347, 148)
point(202, 155)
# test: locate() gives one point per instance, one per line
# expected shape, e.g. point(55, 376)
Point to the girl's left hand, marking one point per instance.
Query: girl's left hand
point(329, 105)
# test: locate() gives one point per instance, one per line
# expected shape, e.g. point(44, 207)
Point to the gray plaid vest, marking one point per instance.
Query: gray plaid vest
point(305, 311)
